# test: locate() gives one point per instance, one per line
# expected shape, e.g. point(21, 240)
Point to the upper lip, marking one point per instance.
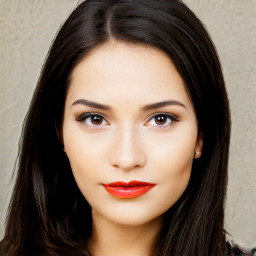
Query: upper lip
point(133, 183)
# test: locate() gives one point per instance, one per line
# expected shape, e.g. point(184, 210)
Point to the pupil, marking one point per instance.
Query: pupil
point(160, 120)
point(96, 120)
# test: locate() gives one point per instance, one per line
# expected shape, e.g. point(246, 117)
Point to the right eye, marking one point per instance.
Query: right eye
point(92, 119)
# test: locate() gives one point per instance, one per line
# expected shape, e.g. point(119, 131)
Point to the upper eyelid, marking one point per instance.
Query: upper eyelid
point(89, 113)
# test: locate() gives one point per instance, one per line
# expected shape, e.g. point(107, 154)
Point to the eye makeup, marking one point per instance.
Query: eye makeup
point(161, 120)
point(92, 119)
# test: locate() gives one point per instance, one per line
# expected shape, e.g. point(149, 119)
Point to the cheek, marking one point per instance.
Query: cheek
point(172, 160)
point(173, 153)
point(81, 149)
point(84, 167)
point(82, 164)
point(87, 154)
point(82, 156)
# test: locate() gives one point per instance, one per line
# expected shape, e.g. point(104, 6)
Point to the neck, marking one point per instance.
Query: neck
point(114, 239)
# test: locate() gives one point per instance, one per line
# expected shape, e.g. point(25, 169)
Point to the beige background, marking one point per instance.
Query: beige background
point(27, 28)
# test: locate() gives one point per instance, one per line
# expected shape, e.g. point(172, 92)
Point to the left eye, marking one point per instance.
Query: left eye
point(162, 120)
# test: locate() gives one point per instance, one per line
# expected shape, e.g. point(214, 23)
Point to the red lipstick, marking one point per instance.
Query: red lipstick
point(129, 190)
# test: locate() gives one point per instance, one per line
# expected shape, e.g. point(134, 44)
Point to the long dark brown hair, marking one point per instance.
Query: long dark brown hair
point(48, 214)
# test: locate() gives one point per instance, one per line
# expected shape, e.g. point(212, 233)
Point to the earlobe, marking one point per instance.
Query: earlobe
point(199, 146)
point(197, 154)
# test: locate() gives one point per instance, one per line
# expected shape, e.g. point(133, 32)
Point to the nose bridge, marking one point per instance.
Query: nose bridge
point(127, 151)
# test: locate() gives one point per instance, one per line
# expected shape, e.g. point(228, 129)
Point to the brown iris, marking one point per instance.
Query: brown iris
point(160, 119)
point(96, 120)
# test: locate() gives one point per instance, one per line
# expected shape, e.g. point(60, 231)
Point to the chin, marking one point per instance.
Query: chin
point(129, 213)
point(133, 220)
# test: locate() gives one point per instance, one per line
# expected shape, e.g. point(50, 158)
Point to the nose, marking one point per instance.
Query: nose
point(126, 152)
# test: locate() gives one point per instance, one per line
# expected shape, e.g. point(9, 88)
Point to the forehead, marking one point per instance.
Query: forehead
point(122, 71)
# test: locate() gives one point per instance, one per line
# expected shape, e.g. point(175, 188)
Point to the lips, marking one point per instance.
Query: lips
point(129, 190)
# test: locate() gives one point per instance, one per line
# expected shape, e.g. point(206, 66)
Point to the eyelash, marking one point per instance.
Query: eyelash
point(84, 116)
point(172, 120)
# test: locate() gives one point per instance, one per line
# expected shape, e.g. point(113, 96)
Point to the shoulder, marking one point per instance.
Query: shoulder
point(236, 250)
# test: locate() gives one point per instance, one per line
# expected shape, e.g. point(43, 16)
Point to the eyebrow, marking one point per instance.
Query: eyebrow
point(144, 108)
point(91, 104)
point(162, 104)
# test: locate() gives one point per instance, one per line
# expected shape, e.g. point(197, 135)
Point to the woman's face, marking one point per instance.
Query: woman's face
point(128, 118)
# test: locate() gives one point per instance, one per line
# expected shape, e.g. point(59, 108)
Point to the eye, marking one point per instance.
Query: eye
point(92, 119)
point(161, 120)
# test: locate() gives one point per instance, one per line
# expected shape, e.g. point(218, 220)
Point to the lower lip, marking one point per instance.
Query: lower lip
point(126, 192)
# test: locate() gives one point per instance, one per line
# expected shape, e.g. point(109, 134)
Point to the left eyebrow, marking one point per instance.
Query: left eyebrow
point(162, 104)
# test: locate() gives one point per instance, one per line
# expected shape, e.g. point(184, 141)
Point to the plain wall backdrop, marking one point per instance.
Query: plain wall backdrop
point(27, 28)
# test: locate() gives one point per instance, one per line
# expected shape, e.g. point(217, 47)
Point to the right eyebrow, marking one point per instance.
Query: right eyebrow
point(162, 104)
point(91, 104)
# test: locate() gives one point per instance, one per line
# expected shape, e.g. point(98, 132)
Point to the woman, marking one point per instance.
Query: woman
point(125, 145)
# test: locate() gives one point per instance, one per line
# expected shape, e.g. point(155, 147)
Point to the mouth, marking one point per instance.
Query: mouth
point(129, 190)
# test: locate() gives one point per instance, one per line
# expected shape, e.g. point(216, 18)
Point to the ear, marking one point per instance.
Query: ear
point(199, 146)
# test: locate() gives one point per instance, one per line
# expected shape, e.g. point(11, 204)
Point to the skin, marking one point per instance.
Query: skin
point(129, 143)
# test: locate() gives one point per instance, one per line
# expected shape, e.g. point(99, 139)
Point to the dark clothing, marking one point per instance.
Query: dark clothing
point(235, 250)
